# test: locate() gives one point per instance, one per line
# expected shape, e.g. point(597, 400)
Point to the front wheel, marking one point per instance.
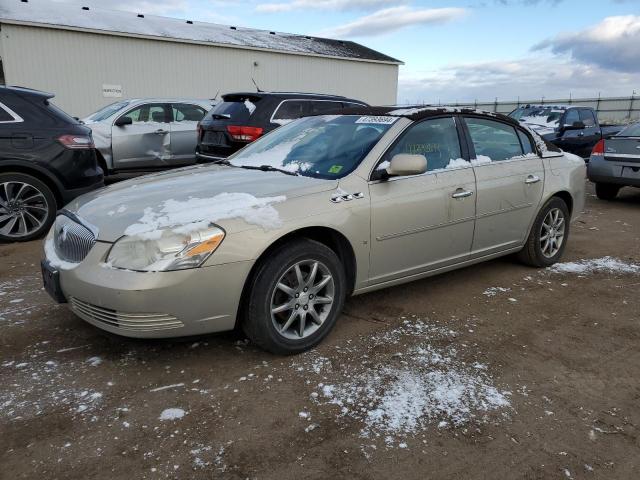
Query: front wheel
point(607, 191)
point(27, 207)
point(295, 297)
point(548, 237)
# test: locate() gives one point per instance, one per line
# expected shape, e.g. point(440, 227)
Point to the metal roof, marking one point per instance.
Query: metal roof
point(45, 13)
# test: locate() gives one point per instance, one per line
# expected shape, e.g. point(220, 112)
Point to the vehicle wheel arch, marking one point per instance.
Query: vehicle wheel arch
point(327, 236)
point(566, 197)
point(102, 163)
point(35, 171)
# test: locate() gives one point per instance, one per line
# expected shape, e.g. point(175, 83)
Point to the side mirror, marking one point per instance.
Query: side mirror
point(404, 164)
point(122, 121)
point(575, 126)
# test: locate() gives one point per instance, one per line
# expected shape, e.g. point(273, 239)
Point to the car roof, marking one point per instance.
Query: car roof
point(420, 112)
point(168, 100)
point(286, 95)
point(25, 91)
point(550, 106)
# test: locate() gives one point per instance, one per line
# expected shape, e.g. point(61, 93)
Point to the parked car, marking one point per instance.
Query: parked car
point(615, 163)
point(324, 207)
point(147, 133)
point(243, 117)
point(46, 159)
point(573, 129)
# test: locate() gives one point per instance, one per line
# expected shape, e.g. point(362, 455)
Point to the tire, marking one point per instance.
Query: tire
point(280, 332)
point(27, 207)
point(538, 253)
point(607, 191)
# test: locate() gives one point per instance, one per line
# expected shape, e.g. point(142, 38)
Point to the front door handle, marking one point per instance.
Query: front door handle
point(531, 179)
point(161, 132)
point(460, 193)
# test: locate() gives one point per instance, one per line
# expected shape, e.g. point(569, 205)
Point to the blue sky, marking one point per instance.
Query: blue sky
point(458, 49)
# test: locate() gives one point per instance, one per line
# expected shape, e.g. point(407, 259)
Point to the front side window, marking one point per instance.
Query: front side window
point(493, 141)
point(328, 146)
point(572, 117)
point(436, 139)
point(152, 112)
point(586, 117)
point(186, 112)
point(290, 110)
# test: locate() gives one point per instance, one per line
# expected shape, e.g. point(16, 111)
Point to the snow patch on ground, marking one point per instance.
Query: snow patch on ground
point(172, 414)
point(596, 265)
point(197, 213)
point(493, 291)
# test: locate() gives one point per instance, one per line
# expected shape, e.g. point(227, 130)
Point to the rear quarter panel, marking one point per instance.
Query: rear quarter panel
point(566, 173)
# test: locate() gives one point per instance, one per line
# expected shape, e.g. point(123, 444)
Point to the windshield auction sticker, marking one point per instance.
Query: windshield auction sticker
point(377, 120)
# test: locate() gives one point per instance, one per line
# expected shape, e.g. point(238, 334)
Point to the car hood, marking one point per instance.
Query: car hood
point(234, 198)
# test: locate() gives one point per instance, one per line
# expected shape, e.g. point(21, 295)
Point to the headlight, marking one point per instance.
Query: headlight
point(170, 251)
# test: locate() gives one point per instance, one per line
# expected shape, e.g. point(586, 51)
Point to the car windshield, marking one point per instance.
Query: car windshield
point(632, 130)
point(328, 146)
point(107, 111)
point(548, 117)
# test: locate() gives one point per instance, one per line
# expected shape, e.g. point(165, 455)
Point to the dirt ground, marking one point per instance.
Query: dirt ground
point(495, 371)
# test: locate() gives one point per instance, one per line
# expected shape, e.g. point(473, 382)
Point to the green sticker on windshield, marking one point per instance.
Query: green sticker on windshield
point(335, 169)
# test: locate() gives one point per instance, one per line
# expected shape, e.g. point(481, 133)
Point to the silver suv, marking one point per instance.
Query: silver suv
point(277, 236)
point(147, 133)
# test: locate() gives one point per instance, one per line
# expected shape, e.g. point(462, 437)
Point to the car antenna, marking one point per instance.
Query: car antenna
point(216, 96)
point(257, 87)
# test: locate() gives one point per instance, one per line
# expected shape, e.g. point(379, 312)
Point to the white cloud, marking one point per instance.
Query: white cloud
point(395, 18)
point(325, 5)
point(528, 78)
point(612, 43)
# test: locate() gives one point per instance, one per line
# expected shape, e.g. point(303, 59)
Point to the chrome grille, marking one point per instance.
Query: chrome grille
point(72, 240)
point(141, 322)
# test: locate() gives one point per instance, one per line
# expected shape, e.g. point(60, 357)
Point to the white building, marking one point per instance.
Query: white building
point(88, 57)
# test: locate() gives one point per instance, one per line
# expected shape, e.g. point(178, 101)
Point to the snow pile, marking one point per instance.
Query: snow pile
point(493, 291)
point(595, 265)
point(417, 386)
point(196, 213)
point(172, 414)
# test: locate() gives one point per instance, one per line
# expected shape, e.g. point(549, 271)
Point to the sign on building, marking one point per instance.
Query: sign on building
point(114, 91)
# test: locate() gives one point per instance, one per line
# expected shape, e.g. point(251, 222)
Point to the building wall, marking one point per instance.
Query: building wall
point(75, 66)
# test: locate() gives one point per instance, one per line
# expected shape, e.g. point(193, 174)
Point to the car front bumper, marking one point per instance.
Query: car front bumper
point(614, 172)
point(154, 304)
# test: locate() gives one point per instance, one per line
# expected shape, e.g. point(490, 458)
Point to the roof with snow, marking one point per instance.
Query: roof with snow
point(45, 13)
point(419, 112)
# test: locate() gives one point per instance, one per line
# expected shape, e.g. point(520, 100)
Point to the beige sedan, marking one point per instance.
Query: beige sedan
point(274, 239)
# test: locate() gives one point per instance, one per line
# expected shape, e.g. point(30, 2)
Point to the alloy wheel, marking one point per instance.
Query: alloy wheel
point(302, 299)
point(552, 232)
point(23, 209)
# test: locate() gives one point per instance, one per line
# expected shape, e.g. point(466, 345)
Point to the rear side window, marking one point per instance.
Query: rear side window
point(587, 117)
point(493, 141)
point(324, 106)
point(290, 110)
point(7, 115)
point(527, 146)
point(186, 112)
point(436, 139)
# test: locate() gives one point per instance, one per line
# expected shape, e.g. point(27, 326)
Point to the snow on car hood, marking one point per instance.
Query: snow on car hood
point(191, 197)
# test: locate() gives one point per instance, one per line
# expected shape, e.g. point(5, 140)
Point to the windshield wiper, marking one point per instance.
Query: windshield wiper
point(268, 168)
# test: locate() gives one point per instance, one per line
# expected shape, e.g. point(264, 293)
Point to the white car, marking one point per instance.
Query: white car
point(147, 134)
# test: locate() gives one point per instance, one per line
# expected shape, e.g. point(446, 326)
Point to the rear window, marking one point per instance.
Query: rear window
point(630, 131)
point(59, 113)
point(237, 110)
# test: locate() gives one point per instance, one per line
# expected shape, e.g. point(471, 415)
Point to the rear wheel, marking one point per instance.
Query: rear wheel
point(295, 297)
point(607, 191)
point(27, 207)
point(548, 236)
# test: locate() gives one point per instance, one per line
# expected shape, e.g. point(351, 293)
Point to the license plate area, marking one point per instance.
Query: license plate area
point(51, 281)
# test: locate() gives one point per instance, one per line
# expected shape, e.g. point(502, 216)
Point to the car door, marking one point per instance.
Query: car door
point(146, 142)
point(509, 184)
point(423, 222)
point(590, 134)
point(184, 132)
point(570, 140)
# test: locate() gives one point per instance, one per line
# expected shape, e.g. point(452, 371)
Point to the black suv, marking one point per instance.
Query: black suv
point(47, 158)
point(243, 117)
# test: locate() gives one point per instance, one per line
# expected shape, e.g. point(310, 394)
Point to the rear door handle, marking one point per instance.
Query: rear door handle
point(161, 132)
point(460, 193)
point(532, 179)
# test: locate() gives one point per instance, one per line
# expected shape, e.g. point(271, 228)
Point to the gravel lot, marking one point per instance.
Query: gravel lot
point(495, 371)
